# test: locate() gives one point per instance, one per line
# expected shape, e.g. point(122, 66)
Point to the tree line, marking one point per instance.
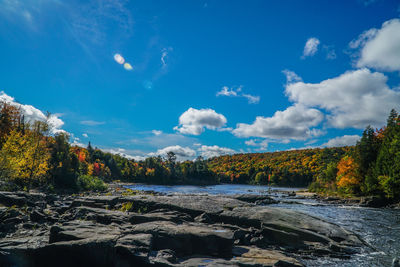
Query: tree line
point(31, 157)
point(296, 168)
point(372, 168)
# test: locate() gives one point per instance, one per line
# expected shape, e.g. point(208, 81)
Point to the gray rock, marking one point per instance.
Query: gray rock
point(396, 262)
point(184, 230)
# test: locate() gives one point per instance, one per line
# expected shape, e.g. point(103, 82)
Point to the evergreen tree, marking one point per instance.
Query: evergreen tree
point(366, 153)
point(387, 169)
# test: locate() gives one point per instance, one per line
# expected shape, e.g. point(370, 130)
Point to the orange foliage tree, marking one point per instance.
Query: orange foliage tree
point(347, 175)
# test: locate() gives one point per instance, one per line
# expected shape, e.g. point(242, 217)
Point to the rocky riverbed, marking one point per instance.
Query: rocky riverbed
point(128, 228)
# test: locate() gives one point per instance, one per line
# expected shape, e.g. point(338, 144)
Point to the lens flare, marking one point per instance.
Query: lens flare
point(128, 66)
point(119, 59)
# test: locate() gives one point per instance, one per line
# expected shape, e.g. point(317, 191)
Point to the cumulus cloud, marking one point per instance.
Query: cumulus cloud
point(293, 123)
point(122, 152)
point(311, 47)
point(77, 142)
point(193, 121)
point(237, 92)
point(346, 140)
point(354, 99)
point(33, 114)
point(380, 48)
point(214, 151)
point(92, 123)
point(180, 152)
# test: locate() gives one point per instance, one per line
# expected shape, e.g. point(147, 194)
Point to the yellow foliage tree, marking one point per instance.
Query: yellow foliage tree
point(24, 158)
point(347, 176)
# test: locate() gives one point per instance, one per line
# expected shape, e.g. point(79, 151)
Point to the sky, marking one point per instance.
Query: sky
point(202, 78)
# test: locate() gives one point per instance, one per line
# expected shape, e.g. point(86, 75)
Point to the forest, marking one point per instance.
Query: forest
point(30, 157)
point(371, 168)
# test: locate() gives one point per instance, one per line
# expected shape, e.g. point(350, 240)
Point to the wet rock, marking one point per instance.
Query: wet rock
point(374, 202)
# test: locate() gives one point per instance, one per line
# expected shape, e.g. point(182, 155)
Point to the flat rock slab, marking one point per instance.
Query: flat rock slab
point(151, 230)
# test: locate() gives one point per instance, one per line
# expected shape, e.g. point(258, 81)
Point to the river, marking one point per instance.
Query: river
point(380, 228)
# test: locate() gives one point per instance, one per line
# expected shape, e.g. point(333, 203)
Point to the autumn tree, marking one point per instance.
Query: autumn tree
point(24, 158)
point(348, 178)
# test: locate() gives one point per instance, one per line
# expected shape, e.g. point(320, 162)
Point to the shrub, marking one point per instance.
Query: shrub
point(90, 183)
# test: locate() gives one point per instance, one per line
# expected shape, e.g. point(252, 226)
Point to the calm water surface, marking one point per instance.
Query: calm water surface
point(378, 227)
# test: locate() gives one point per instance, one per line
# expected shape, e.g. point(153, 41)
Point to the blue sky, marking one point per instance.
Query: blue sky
point(207, 77)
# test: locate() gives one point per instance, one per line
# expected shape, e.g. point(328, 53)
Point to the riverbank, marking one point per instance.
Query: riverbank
point(362, 201)
point(132, 228)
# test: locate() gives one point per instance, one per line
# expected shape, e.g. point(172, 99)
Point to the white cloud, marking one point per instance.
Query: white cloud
point(232, 92)
point(251, 99)
point(85, 135)
point(225, 91)
point(291, 76)
point(156, 132)
point(193, 121)
point(121, 152)
point(380, 48)
point(251, 142)
point(354, 99)
point(346, 140)
point(292, 123)
point(77, 142)
point(92, 123)
point(311, 47)
point(181, 152)
point(261, 145)
point(33, 114)
point(214, 151)
point(164, 56)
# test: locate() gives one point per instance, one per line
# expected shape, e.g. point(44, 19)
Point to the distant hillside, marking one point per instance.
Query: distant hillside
point(284, 168)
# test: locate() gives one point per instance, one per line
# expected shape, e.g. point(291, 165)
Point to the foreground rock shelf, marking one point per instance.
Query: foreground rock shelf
point(138, 229)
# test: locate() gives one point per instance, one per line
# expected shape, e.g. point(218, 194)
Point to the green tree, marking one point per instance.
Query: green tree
point(366, 153)
point(64, 164)
point(387, 167)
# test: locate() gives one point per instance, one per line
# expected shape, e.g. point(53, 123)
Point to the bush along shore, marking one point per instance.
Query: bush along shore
point(128, 228)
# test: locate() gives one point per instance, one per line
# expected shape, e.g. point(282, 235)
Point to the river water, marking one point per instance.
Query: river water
point(380, 228)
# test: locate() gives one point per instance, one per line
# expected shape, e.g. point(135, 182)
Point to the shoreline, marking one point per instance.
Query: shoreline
point(125, 227)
